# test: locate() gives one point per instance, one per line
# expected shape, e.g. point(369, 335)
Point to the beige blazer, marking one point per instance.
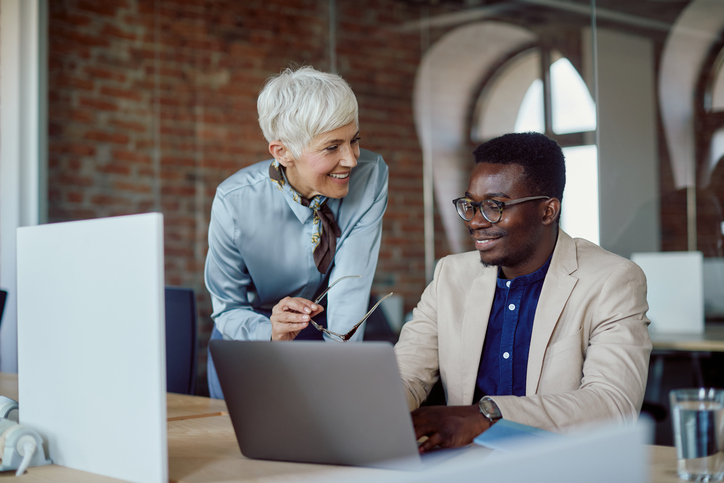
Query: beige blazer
point(589, 348)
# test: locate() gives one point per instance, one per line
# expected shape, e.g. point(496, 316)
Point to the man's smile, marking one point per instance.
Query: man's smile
point(485, 241)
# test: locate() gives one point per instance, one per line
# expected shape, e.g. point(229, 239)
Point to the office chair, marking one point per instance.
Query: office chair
point(3, 297)
point(180, 340)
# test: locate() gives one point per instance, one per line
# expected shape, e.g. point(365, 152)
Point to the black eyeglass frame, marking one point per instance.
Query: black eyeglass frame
point(478, 206)
point(344, 337)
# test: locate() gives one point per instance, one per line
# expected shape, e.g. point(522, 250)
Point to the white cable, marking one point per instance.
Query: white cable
point(29, 449)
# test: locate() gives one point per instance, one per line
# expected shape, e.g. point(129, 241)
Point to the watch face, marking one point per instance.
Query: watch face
point(489, 409)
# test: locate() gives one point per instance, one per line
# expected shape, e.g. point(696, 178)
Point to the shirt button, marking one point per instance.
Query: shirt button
point(505, 355)
point(507, 284)
point(511, 306)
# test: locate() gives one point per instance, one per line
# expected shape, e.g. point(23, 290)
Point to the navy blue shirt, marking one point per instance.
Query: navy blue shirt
point(504, 360)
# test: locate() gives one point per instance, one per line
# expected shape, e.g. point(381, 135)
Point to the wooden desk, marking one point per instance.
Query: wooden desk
point(202, 448)
point(178, 406)
point(712, 340)
point(9, 385)
point(663, 465)
point(206, 451)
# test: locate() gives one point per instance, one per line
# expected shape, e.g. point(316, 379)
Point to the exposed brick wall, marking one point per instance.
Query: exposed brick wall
point(153, 103)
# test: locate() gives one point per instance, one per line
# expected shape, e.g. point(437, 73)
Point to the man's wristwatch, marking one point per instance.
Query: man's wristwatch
point(489, 409)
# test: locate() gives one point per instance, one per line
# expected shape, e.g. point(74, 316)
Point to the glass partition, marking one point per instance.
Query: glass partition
point(153, 103)
point(673, 52)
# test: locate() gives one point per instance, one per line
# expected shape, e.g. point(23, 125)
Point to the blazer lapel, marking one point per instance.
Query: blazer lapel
point(556, 290)
point(475, 323)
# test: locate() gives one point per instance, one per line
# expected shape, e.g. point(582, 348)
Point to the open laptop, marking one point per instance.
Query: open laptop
point(317, 402)
point(320, 402)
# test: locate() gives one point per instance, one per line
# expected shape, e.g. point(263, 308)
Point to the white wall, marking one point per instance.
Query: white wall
point(23, 151)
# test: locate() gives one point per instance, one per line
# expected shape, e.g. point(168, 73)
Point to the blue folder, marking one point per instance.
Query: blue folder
point(507, 435)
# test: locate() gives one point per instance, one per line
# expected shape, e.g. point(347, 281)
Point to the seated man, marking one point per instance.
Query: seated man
point(548, 330)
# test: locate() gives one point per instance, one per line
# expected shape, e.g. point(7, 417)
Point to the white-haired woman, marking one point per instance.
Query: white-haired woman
point(282, 230)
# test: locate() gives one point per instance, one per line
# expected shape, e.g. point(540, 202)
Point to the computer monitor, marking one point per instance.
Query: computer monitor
point(91, 345)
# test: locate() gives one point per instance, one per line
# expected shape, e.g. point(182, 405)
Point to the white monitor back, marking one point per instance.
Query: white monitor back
point(91, 344)
point(714, 287)
point(593, 455)
point(675, 290)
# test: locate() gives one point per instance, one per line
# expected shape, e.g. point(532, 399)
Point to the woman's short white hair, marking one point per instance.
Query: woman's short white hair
point(297, 105)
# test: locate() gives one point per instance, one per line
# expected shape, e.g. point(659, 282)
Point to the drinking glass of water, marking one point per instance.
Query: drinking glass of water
point(697, 417)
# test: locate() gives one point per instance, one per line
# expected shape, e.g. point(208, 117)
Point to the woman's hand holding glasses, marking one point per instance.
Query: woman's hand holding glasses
point(291, 315)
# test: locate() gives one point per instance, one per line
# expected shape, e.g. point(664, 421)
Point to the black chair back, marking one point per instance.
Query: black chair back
point(180, 340)
point(3, 297)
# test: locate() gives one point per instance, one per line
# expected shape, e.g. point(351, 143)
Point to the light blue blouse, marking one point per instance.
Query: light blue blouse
point(261, 249)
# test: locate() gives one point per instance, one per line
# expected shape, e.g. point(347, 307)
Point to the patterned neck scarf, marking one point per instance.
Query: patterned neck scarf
point(326, 231)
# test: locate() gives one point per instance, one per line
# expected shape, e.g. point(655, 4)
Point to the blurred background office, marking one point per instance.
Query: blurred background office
point(128, 106)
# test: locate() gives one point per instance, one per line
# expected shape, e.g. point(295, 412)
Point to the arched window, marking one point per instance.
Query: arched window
point(515, 99)
point(573, 107)
point(714, 112)
point(530, 116)
point(710, 192)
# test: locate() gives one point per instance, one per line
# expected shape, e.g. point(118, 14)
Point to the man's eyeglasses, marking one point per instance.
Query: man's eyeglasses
point(492, 210)
point(348, 335)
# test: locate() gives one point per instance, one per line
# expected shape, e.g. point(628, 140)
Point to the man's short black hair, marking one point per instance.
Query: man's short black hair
point(540, 156)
